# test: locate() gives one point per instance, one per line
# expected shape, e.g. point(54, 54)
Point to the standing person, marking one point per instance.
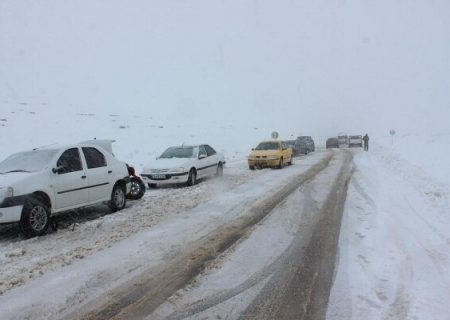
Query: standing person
point(366, 142)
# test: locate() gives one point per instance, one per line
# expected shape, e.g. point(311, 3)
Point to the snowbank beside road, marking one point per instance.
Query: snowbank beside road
point(395, 245)
point(429, 153)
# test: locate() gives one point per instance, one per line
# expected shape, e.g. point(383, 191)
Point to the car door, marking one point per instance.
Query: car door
point(213, 160)
point(69, 182)
point(202, 167)
point(98, 174)
point(285, 153)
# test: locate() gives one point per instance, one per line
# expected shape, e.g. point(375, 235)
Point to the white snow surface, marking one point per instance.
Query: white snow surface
point(393, 251)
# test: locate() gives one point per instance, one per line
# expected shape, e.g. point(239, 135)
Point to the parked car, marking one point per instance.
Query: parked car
point(355, 141)
point(38, 183)
point(343, 141)
point(290, 144)
point(184, 165)
point(270, 154)
point(304, 145)
point(332, 143)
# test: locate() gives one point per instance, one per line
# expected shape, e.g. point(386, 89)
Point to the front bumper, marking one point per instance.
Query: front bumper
point(165, 178)
point(10, 214)
point(263, 163)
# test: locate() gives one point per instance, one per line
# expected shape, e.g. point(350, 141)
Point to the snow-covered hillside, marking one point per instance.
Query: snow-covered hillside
point(139, 137)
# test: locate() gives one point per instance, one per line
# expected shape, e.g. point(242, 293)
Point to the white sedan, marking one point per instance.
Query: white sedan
point(38, 183)
point(184, 165)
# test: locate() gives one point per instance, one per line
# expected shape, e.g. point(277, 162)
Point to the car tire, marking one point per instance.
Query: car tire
point(219, 172)
point(137, 189)
point(192, 178)
point(251, 167)
point(281, 164)
point(292, 161)
point(118, 198)
point(35, 218)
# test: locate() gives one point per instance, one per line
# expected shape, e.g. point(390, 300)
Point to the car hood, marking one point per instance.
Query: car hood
point(166, 163)
point(8, 179)
point(266, 153)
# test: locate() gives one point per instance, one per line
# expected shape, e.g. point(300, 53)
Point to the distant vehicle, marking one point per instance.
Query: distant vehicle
point(304, 145)
point(355, 141)
point(184, 165)
point(36, 184)
point(332, 143)
point(343, 141)
point(290, 144)
point(271, 154)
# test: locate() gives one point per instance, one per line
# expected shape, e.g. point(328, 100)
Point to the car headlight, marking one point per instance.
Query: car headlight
point(6, 192)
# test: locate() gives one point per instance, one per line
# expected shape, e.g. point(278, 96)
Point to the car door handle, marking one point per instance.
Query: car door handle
point(83, 177)
point(109, 171)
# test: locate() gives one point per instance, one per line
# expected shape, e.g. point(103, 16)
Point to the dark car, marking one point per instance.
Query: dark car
point(304, 145)
point(332, 143)
point(342, 140)
point(291, 144)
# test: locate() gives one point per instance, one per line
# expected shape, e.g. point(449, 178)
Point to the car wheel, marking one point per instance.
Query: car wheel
point(192, 179)
point(137, 189)
point(118, 198)
point(219, 172)
point(281, 164)
point(251, 167)
point(292, 161)
point(35, 218)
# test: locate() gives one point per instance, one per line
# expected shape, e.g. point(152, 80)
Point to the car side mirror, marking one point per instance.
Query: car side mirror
point(58, 170)
point(202, 156)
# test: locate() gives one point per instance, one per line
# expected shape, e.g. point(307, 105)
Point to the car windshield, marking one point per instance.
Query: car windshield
point(29, 161)
point(268, 146)
point(303, 138)
point(355, 137)
point(178, 152)
point(290, 143)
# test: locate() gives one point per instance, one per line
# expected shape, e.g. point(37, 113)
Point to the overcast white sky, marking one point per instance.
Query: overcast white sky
point(320, 65)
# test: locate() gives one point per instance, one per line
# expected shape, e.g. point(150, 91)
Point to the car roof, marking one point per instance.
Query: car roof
point(187, 146)
point(103, 144)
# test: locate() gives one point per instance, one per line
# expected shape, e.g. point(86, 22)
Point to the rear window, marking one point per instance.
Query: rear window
point(94, 158)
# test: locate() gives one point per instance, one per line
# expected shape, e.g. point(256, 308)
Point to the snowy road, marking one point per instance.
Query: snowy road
point(171, 230)
point(251, 245)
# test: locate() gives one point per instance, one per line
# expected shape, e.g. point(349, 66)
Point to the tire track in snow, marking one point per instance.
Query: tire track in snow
point(147, 292)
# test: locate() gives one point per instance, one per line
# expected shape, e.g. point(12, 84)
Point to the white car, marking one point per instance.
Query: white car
point(355, 141)
point(38, 183)
point(184, 164)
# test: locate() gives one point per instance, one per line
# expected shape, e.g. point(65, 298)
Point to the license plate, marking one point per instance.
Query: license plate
point(158, 176)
